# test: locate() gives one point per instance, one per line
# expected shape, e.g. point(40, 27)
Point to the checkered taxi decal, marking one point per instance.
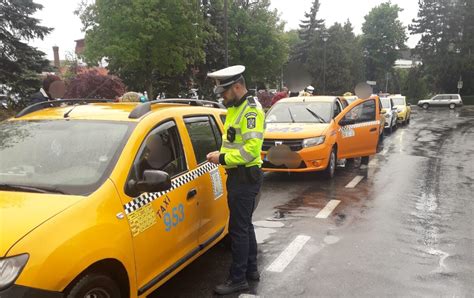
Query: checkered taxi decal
point(363, 124)
point(147, 198)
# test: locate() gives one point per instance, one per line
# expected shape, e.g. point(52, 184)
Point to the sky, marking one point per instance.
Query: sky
point(58, 14)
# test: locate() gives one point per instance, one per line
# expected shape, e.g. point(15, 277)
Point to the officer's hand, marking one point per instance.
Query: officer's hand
point(213, 157)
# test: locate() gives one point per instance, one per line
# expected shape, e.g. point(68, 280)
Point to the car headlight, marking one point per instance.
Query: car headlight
point(399, 110)
point(387, 116)
point(10, 269)
point(313, 141)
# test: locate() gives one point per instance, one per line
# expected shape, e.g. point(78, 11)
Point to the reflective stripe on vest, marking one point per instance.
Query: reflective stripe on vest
point(252, 135)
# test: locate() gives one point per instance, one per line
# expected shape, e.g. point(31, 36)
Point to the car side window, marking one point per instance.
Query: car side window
point(162, 150)
point(223, 117)
point(437, 97)
point(337, 108)
point(363, 112)
point(205, 136)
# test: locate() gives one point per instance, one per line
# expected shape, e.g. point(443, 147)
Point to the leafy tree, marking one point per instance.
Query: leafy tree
point(446, 29)
point(344, 63)
point(20, 64)
point(94, 83)
point(256, 40)
point(413, 84)
point(144, 39)
point(384, 35)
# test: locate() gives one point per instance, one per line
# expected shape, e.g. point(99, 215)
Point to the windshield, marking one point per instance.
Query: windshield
point(300, 112)
point(385, 103)
point(398, 101)
point(71, 157)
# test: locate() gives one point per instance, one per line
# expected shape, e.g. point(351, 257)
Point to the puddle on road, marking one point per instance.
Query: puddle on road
point(331, 239)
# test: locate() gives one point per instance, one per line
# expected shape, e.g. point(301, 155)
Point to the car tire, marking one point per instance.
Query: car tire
point(95, 285)
point(364, 160)
point(390, 129)
point(452, 106)
point(425, 106)
point(331, 168)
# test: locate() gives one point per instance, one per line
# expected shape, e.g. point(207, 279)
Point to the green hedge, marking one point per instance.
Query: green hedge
point(468, 99)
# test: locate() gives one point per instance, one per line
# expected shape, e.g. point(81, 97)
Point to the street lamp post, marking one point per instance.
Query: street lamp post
point(325, 38)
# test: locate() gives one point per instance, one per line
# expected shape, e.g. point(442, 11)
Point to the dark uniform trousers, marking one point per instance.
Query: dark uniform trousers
point(241, 201)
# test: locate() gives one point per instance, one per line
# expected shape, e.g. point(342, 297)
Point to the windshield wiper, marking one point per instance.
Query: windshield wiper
point(66, 115)
point(316, 116)
point(291, 116)
point(35, 189)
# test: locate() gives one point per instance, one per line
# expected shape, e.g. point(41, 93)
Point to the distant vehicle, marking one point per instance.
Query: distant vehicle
point(442, 100)
point(403, 108)
point(390, 113)
point(350, 99)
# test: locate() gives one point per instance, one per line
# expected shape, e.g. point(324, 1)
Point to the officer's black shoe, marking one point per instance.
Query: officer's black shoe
point(253, 276)
point(230, 287)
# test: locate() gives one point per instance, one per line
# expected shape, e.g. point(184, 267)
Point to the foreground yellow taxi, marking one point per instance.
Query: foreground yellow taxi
point(107, 199)
point(307, 134)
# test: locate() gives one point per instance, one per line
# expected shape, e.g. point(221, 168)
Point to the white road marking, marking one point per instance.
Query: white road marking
point(285, 258)
point(326, 211)
point(248, 296)
point(354, 182)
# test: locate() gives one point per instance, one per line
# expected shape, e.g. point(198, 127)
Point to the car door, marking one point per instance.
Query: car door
point(358, 130)
point(440, 100)
point(205, 136)
point(164, 224)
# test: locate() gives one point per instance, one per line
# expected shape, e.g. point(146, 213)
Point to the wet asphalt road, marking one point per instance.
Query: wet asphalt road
point(406, 229)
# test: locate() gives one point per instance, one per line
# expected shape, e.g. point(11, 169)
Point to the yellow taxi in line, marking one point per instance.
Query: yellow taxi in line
point(105, 199)
point(307, 134)
point(403, 108)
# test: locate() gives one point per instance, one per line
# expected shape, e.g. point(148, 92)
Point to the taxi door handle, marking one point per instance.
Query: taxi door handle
point(191, 194)
point(373, 129)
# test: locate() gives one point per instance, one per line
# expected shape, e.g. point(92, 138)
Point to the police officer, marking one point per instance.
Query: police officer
point(240, 156)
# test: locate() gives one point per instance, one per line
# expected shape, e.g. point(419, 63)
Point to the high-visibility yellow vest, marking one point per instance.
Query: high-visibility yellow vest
point(246, 123)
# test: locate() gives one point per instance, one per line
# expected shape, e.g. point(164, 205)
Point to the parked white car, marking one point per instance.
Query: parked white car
point(390, 113)
point(448, 100)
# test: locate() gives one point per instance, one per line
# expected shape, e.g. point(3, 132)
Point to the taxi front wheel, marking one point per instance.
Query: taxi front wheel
point(95, 285)
point(331, 168)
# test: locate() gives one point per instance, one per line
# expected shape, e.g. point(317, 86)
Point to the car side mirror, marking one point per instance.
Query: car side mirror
point(344, 122)
point(394, 108)
point(383, 112)
point(153, 181)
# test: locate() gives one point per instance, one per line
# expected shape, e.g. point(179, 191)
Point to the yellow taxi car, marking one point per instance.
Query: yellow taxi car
point(103, 199)
point(403, 108)
point(311, 133)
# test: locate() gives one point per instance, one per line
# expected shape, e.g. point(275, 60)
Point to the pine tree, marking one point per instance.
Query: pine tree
point(20, 64)
point(309, 31)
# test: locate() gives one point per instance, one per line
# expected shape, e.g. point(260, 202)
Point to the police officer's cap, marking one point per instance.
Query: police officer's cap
point(226, 77)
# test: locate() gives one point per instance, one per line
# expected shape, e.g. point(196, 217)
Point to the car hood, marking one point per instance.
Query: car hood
point(21, 212)
point(295, 130)
point(423, 100)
